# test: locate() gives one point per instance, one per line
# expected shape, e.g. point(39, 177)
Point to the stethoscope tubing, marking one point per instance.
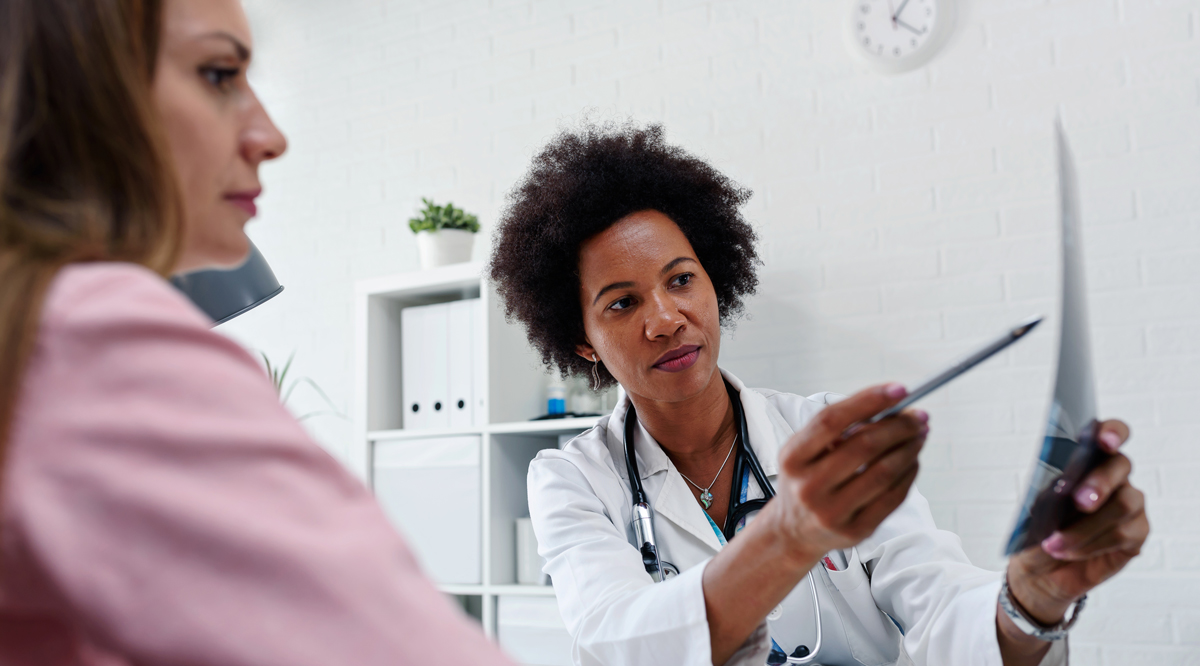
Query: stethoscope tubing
point(643, 516)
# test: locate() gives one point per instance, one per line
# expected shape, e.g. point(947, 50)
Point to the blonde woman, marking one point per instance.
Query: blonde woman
point(159, 505)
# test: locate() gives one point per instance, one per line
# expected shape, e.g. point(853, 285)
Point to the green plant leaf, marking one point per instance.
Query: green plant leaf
point(434, 217)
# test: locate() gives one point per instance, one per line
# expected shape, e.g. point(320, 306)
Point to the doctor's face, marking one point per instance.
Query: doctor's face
point(649, 309)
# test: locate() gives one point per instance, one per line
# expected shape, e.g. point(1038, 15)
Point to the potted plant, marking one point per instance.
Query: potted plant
point(444, 234)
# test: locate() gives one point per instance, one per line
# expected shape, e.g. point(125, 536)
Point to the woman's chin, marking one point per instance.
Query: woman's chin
point(225, 256)
point(681, 385)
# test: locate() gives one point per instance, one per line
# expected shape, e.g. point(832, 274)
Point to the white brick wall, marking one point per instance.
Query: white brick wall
point(903, 219)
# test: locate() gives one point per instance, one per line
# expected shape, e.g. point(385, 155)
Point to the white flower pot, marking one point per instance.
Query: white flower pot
point(444, 246)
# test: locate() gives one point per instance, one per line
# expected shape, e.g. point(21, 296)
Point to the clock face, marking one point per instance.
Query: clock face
point(893, 29)
point(895, 36)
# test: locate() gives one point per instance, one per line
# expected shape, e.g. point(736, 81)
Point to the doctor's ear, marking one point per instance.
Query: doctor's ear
point(586, 351)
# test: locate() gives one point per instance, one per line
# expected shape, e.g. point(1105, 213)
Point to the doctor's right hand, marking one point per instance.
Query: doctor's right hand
point(837, 483)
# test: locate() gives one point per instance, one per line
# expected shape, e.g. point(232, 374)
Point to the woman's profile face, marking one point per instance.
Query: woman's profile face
point(649, 309)
point(217, 130)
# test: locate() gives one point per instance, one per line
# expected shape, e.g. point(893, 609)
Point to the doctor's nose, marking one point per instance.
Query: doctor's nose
point(663, 318)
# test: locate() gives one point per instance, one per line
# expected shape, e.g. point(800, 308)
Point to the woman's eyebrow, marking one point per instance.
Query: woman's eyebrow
point(675, 262)
point(243, 51)
point(615, 285)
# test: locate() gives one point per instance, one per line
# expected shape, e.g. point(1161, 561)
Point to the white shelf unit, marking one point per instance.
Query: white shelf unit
point(515, 393)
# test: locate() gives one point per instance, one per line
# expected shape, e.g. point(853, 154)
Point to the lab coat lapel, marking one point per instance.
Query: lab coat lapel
point(676, 503)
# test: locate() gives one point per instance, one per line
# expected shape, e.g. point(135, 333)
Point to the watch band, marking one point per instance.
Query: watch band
point(1015, 612)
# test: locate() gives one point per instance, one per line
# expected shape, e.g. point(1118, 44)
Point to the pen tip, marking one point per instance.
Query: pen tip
point(1026, 326)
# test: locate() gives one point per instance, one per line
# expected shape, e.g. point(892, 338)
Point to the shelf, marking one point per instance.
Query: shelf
point(509, 385)
point(420, 283)
point(499, 590)
point(462, 590)
point(549, 427)
point(424, 433)
point(522, 590)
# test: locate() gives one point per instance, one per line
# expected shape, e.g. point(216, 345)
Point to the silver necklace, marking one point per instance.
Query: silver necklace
point(706, 497)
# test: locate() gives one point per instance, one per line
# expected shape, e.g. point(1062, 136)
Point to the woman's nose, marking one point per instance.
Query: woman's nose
point(261, 139)
point(664, 318)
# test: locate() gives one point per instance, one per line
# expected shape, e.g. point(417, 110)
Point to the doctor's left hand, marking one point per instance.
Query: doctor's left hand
point(1046, 579)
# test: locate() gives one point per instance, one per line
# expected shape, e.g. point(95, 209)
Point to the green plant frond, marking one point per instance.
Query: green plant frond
point(333, 410)
point(286, 366)
point(285, 389)
point(434, 217)
point(272, 372)
point(323, 412)
point(321, 393)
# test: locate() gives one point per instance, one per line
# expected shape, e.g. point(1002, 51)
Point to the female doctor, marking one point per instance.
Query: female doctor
point(624, 256)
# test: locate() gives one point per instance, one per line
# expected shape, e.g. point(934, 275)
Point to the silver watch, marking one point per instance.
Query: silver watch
point(1012, 608)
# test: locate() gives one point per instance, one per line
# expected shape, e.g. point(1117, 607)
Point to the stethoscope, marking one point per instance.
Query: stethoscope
point(643, 524)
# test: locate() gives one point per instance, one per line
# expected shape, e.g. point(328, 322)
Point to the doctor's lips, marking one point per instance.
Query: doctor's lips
point(678, 359)
point(245, 200)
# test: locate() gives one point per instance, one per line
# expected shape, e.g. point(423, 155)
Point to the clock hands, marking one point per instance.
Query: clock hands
point(909, 27)
point(896, 19)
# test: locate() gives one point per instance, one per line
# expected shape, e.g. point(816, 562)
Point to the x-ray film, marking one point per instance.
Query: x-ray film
point(1069, 449)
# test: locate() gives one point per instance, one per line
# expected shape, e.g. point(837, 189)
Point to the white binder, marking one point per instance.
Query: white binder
point(461, 358)
point(436, 375)
point(479, 373)
point(413, 368)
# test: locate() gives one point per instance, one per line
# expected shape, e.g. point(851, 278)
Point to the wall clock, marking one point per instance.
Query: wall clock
point(899, 35)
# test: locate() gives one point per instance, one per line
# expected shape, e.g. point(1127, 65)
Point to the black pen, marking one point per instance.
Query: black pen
point(957, 369)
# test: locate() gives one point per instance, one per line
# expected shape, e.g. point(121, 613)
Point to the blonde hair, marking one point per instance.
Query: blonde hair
point(85, 174)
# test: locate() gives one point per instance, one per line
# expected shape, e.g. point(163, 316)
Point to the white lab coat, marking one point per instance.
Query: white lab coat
point(579, 502)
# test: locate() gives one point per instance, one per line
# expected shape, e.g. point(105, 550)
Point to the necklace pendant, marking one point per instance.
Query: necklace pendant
point(706, 498)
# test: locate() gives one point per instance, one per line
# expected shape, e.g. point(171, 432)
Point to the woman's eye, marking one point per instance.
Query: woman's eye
point(219, 77)
point(682, 280)
point(621, 304)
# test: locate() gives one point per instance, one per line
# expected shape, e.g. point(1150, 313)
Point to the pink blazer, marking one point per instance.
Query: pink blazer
point(161, 507)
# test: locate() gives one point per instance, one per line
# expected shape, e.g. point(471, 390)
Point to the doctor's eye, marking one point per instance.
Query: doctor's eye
point(621, 304)
point(682, 280)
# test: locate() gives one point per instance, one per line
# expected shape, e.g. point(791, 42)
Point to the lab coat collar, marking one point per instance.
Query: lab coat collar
point(767, 428)
point(674, 501)
point(650, 457)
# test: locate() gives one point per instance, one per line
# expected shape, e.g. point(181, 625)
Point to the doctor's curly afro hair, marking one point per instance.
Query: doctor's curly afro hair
point(581, 183)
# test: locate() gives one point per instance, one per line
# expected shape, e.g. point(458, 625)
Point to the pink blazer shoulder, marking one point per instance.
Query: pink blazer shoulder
point(161, 507)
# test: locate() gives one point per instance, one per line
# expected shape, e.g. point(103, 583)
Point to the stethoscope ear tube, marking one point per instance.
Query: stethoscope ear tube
point(746, 456)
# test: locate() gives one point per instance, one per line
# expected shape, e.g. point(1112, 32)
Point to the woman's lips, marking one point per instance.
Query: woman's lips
point(245, 201)
point(679, 359)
